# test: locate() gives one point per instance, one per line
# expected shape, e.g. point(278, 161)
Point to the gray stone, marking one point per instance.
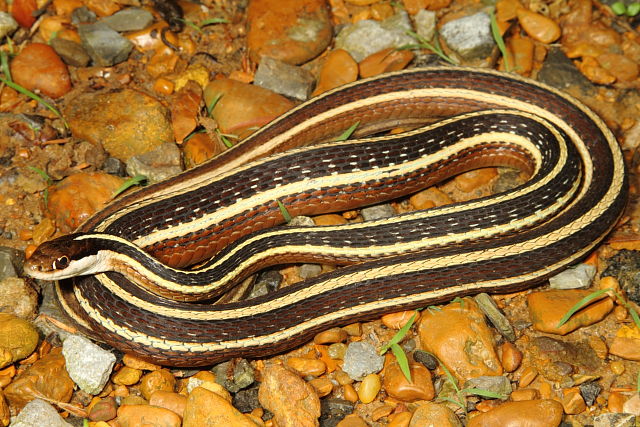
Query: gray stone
point(11, 261)
point(38, 413)
point(234, 376)
point(114, 166)
point(301, 221)
point(496, 384)
point(7, 24)
point(307, 271)
point(576, 277)
point(157, 164)
point(470, 36)
point(377, 212)
point(89, 366)
point(361, 359)
point(495, 316)
point(18, 297)
point(72, 53)
point(560, 72)
point(367, 37)
point(105, 46)
point(426, 358)
point(83, 15)
point(285, 79)
point(246, 400)
point(590, 392)
point(614, 420)
point(333, 410)
point(425, 23)
point(266, 282)
point(129, 19)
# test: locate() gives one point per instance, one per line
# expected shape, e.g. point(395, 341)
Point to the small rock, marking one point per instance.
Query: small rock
point(399, 319)
point(433, 414)
point(572, 402)
point(198, 149)
point(144, 415)
point(11, 261)
point(17, 297)
point(157, 380)
point(426, 359)
point(339, 68)
point(352, 420)
point(113, 119)
point(465, 346)
point(369, 388)
point(234, 376)
point(614, 420)
point(361, 359)
point(538, 27)
point(106, 409)
point(495, 316)
point(134, 362)
point(246, 400)
point(367, 37)
point(497, 384)
point(472, 180)
point(560, 72)
point(590, 392)
point(127, 376)
point(7, 24)
point(242, 107)
point(625, 266)
point(511, 357)
point(83, 15)
point(129, 19)
point(626, 348)
point(398, 387)
point(532, 413)
point(38, 413)
point(266, 282)
point(292, 31)
point(292, 400)
point(105, 46)
point(377, 212)
point(169, 400)
point(470, 36)
point(280, 77)
point(547, 309)
point(330, 336)
point(74, 199)
point(38, 67)
point(337, 351)
point(385, 61)
point(429, 198)
point(425, 23)
point(525, 394)
point(307, 271)
point(89, 366)
point(46, 378)
point(18, 339)
point(329, 219)
point(577, 277)
point(72, 53)
point(113, 166)
point(5, 412)
point(305, 366)
point(158, 164)
point(333, 410)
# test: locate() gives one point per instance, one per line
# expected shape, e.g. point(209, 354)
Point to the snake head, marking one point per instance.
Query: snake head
point(64, 257)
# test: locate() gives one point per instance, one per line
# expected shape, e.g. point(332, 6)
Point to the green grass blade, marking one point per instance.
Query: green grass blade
point(437, 49)
point(4, 63)
point(399, 335)
point(212, 21)
point(347, 133)
point(283, 210)
point(580, 304)
point(32, 95)
point(42, 173)
point(136, 180)
point(455, 402)
point(213, 103)
point(224, 139)
point(484, 393)
point(403, 362)
point(495, 31)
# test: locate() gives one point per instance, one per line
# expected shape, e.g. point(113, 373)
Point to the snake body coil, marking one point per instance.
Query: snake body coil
point(225, 208)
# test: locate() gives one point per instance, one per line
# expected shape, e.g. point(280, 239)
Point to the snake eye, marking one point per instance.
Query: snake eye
point(61, 263)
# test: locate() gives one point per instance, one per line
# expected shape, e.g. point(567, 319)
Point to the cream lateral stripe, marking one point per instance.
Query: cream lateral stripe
point(408, 267)
point(443, 293)
point(370, 251)
point(284, 190)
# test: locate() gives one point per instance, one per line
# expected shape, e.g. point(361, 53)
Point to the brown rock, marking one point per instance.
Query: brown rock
point(429, 198)
point(18, 339)
point(572, 402)
point(399, 319)
point(632, 405)
point(146, 415)
point(293, 31)
point(206, 408)
point(330, 336)
point(77, 197)
point(5, 413)
point(538, 27)
point(293, 402)
point(46, 378)
point(322, 386)
point(384, 61)
point(471, 180)
point(621, 67)
point(525, 394)
point(594, 72)
point(126, 122)
point(23, 12)
point(38, 67)
point(167, 399)
point(511, 357)
point(106, 409)
point(616, 401)
point(547, 309)
point(305, 366)
point(465, 345)
point(198, 149)
point(369, 388)
point(532, 413)
point(352, 420)
point(17, 297)
point(185, 107)
point(157, 380)
point(329, 219)
point(134, 362)
point(397, 385)
point(339, 68)
point(522, 52)
point(433, 414)
point(626, 344)
point(242, 107)
point(127, 376)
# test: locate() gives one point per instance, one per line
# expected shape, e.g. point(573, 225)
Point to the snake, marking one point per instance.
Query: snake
point(143, 271)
